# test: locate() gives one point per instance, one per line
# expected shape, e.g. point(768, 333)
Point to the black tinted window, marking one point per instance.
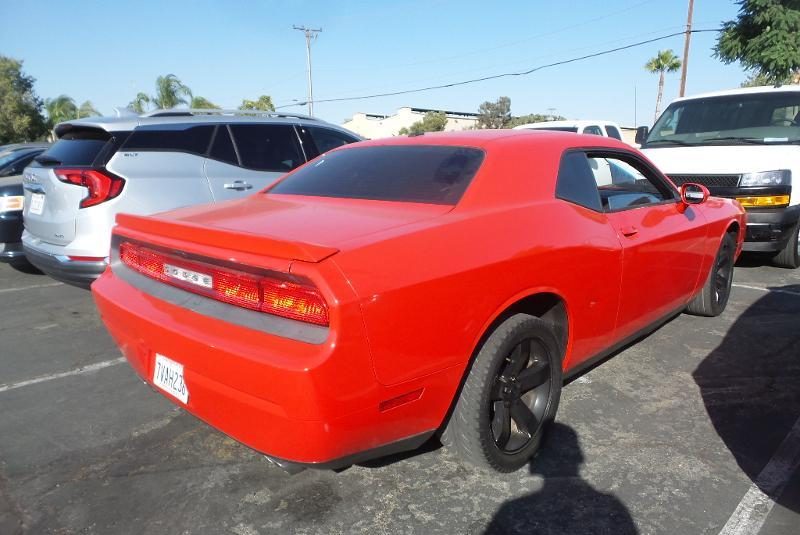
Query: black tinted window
point(79, 146)
point(326, 139)
point(180, 138)
point(576, 182)
point(427, 174)
point(614, 132)
point(267, 147)
point(222, 147)
point(593, 130)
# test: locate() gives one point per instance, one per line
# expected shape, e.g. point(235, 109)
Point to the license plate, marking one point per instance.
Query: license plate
point(168, 376)
point(37, 204)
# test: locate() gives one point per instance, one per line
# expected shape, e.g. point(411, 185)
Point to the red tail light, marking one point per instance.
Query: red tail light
point(102, 186)
point(273, 295)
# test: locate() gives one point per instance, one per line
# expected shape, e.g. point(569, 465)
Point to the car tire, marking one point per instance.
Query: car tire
point(789, 256)
point(713, 297)
point(509, 397)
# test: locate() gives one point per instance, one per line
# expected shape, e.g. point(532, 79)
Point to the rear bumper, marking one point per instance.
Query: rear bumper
point(304, 403)
point(61, 268)
point(768, 230)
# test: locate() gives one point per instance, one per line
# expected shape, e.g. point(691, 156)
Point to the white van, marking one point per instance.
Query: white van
point(597, 128)
point(744, 144)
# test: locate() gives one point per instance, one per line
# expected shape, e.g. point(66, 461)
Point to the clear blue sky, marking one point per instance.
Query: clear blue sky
point(107, 51)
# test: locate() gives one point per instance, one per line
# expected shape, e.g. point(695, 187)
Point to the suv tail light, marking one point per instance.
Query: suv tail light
point(265, 293)
point(102, 185)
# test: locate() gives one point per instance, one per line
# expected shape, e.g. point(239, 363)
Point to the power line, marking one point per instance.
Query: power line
point(508, 74)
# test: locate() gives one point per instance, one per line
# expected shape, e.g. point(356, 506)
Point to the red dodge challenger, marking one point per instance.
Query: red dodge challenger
point(400, 288)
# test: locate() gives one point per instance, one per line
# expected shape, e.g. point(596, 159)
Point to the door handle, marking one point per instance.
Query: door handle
point(238, 185)
point(629, 231)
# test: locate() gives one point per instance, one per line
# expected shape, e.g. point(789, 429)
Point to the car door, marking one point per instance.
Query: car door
point(663, 240)
point(247, 157)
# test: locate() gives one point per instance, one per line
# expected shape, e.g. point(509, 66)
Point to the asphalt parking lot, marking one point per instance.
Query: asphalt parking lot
point(692, 430)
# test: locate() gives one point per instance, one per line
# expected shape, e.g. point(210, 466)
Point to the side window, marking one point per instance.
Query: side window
point(177, 138)
point(576, 182)
point(613, 131)
point(623, 185)
point(593, 130)
point(267, 147)
point(326, 139)
point(222, 147)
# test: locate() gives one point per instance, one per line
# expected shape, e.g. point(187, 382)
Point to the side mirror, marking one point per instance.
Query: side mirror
point(641, 134)
point(694, 193)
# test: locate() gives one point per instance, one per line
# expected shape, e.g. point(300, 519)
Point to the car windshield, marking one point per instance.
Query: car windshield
point(434, 174)
point(8, 157)
point(759, 118)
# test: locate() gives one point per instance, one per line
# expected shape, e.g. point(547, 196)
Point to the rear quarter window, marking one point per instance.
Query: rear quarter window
point(78, 147)
point(405, 173)
point(171, 138)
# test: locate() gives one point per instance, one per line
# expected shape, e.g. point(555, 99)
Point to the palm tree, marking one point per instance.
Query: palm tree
point(170, 92)
point(202, 103)
point(139, 104)
point(59, 109)
point(665, 61)
point(87, 109)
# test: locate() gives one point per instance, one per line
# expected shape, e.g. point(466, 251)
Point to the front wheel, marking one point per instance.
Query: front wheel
point(789, 256)
point(713, 297)
point(509, 397)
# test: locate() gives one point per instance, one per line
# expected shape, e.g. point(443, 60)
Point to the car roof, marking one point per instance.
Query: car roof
point(565, 124)
point(493, 137)
point(24, 146)
point(743, 91)
point(184, 116)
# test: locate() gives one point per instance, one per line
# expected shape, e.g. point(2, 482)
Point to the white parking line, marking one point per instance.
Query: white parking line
point(749, 516)
point(32, 287)
point(762, 289)
point(86, 369)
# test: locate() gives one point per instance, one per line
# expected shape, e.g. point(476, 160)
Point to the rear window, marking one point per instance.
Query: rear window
point(418, 173)
point(267, 147)
point(80, 147)
point(174, 138)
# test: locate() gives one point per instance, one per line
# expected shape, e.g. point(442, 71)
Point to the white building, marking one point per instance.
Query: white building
point(371, 126)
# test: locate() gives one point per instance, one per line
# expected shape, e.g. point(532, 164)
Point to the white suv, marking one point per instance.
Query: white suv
point(597, 128)
point(142, 165)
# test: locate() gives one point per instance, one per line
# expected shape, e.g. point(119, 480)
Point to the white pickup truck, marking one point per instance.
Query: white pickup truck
point(743, 144)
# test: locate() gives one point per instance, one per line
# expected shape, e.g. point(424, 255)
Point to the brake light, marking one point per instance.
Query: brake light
point(268, 294)
point(102, 186)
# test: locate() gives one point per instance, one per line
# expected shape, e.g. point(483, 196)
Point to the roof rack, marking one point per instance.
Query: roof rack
point(188, 112)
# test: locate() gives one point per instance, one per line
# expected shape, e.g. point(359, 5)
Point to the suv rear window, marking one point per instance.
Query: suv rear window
point(79, 146)
point(174, 138)
point(406, 173)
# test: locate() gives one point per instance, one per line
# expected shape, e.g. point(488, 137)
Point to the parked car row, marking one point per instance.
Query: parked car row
point(100, 167)
point(324, 301)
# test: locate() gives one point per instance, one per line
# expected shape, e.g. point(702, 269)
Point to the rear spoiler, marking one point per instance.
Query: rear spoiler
point(226, 239)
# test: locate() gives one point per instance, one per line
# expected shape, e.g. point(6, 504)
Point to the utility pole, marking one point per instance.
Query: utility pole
point(310, 34)
point(688, 38)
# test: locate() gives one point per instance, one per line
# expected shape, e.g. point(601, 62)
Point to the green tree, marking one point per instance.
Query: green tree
point(20, 109)
point(756, 79)
point(264, 103)
point(433, 121)
point(202, 103)
point(494, 114)
point(665, 61)
point(533, 118)
point(170, 92)
point(87, 109)
point(140, 103)
point(764, 38)
point(59, 109)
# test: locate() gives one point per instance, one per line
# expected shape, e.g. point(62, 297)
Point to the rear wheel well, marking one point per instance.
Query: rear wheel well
point(547, 306)
point(733, 228)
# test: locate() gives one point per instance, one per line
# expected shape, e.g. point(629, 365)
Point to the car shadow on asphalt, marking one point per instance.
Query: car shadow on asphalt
point(565, 503)
point(24, 266)
point(750, 383)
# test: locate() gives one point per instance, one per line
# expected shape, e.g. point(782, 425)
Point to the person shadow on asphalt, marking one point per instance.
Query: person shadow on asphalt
point(566, 504)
